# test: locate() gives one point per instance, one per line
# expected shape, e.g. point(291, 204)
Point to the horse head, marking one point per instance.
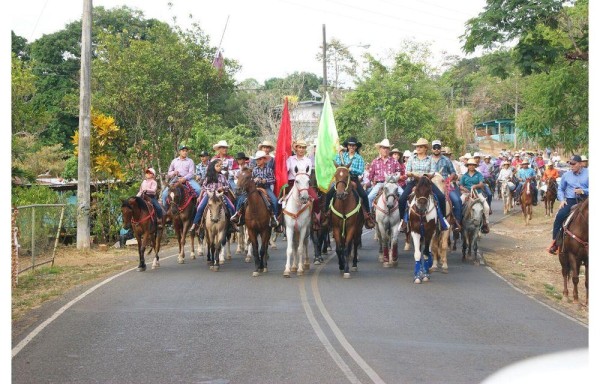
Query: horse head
point(342, 181)
point(127, 212)
point(423, 191)
point(302, 184)
point(215, 205)
point(244, 181)
point(390, 192)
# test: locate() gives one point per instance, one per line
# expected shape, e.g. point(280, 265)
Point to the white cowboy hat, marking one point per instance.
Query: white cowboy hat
point(524, 162)
point(266, 143)
point(422, 141)
point(151, 170)
point(487, 157)
point(584, 158)
point(300, 143)
point(261, 154)
point(384, 143)
point(505, 162)
point(477, 154)
point(406, 153)
point(467, 155)
point(447, 150)
point(221, 143)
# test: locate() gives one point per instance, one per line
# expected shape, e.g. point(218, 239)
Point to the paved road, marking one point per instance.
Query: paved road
point(186, 324)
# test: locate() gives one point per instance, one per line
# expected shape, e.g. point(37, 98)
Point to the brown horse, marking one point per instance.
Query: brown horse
point(527, 200)
point(573, 252)
point(215, 224)
point(346, 220)
point(182, 209)
point(422, 223)
point(257, 219)
point(550, 196)
point(139, 214)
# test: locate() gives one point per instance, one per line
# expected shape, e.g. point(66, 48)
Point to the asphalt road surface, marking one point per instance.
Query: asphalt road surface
point(187, 324)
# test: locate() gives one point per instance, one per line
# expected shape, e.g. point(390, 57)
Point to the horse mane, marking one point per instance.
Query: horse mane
point(467, 208)
point(423, 186)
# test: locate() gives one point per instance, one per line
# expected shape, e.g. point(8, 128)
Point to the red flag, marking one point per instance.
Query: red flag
point(284, 149)
point(218, 62)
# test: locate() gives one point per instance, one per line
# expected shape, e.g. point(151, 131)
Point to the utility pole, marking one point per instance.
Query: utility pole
point(324, 62)
point(85, 106)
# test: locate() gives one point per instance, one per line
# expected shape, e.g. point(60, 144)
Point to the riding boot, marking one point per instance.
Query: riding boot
point(484, 227)
point(553, 248)
point(403, 226)
point(192, 227)
point(369, 219)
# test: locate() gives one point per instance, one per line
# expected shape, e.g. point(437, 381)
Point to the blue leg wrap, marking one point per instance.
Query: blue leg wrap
point(418, 268)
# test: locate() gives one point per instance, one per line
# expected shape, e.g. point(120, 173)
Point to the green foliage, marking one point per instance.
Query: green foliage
point(106, 209)
point(71, 169)
point(35, 194)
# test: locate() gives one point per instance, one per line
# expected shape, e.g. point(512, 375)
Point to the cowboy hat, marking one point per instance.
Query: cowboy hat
point(524, 162)
point(477, 154)
point(467, 155)
point(241, 155)
point(352, 140)
point(221, 143)
point(505, 162)
point(260, 154)
point(384, 143)
point(395, 150)
point(266, 143)
point(151, 170)
point(472, 161)
point(300, 143)
point(406, 153)
point(487, 157)
point(584, 158)
point(447, 150)
point(422, 141)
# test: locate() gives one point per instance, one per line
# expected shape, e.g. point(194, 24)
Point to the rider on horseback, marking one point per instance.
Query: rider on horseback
point(300, 162)
point(183, 168)
point(471, 181)
point(549, 173)
point(148, 188)
point(443, 165)
point(357, 167)
point(421, 164)
point(485, 169)
point(506, 175)
point(522, 175)
point(573, 186)
point(215, 181)
point(264, 178)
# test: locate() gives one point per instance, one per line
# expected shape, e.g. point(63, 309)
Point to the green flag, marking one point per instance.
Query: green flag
point(327, 147)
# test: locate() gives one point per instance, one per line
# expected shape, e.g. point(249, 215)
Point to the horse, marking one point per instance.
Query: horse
point(422, 222)
point(182, 209)
point(441, 239)
point(526, 199)
point(319, 233)
point(139, 214)
point(550, 196)
point(387, 217)
point(298, 222)
point(346, 219)
point(215, 226)
point(257, 220)
point(574, 250)
point(507, 196)
point(471, 227)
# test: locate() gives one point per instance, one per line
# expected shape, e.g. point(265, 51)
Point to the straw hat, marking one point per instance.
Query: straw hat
point(467, 155)
point(477, 154)
point(300, 143)
point(422, 141)
point(406, 153)
point(472, 161)
point(266, 143)
point(395, 150)
point(221, 143)
point(505, 162)
point(447, 150)
point(524, 162)
point(260, 154)
point(384, 143)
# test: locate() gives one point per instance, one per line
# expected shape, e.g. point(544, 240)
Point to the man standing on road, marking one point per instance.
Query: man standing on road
point(574, 186)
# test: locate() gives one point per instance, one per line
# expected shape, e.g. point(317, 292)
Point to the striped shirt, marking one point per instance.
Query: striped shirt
point(266, 173)
point(420, 166)
point(201, 170)
point(381, 168)
point(443, 166)
point(182, 167)
point(357, 168)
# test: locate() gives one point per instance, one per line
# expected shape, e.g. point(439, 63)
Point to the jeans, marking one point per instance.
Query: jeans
point(193, 183)
point(204, 203)
point(456, 204)
point(561, 215)
point(488, 194)
point(156, 206)
point(242, 199)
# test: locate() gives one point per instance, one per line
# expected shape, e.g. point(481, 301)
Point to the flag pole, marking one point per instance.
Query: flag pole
point(222, 35)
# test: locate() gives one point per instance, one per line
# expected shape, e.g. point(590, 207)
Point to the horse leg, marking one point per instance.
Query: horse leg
point(254, 241)
point(347, 253)
point(193, 253)
point(305, 255)
point(289, 253)
point(141, 250)
point(156, 240)
point(444, 250)
point(407, 243)
point(575, 267)
point(339, 250)
point(264, 257)
point(394, 247)
point(464, 247)
point(416, 238)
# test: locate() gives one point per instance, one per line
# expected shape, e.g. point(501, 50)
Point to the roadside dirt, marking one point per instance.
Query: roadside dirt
point(529, 267)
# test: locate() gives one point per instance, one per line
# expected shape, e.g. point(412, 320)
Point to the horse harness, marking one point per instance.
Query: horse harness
point(188, 195)
point(569, 219)
point(387, 211)
point(303, 207)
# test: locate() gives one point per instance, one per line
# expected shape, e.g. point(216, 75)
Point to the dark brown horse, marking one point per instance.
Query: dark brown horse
point(319, 232)
point(550, 196)
point(257, 219)
point(526, 199)
point(573, 252)
point(182, 209)
point(139, 214)
point(346, 220)
point(422, 223)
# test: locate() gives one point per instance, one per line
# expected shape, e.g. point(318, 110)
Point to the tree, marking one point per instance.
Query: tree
point(339, 61)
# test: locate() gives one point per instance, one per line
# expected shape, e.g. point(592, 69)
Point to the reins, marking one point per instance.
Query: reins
point(572, 235)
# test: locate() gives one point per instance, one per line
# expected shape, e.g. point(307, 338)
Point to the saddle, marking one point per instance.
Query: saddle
point(466, 208)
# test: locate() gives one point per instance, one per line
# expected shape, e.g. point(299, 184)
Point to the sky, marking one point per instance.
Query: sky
point(275, 38)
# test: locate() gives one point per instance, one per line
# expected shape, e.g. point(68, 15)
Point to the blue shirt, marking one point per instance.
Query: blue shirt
point(525, 173)
point(443, 166)
point(358, 164)
point(569, 181)
point(468, 181)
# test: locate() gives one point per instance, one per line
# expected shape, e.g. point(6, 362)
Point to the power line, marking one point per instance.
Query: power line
point(38, 20)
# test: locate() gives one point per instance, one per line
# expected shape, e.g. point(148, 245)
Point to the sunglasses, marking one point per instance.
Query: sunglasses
point(436, 147)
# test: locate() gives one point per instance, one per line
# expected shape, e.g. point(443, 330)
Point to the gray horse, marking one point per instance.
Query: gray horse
point(471, 229)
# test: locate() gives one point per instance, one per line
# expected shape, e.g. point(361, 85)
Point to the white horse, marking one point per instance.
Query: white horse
point(507, 196)
point(387, 216)
point(297, 217)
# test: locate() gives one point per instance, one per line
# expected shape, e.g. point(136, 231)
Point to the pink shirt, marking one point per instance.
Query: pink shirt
point(381, 168)
point(149, 186)
point(184, 167)
point(293, 161)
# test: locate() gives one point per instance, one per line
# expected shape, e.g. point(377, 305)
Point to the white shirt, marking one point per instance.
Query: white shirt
point(293, 162)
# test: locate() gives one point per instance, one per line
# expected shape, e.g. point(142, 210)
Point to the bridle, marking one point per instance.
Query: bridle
point(346, 183)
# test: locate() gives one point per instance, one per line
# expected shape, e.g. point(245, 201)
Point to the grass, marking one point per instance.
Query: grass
point(552, 292)
point(519, 275)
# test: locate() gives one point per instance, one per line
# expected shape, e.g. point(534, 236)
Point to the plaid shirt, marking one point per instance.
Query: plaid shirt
point(381, 168)
point(418, 166)
point(264, 173)
point(357, 167)
point(212, 187)
point(443, 166)
point(201, 170)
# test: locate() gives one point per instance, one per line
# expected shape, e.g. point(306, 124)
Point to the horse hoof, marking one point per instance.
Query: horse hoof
point(433, 269)
point(247, 260)
point(386, 264)
point(381, 258)
point(215, 268)
point(444, 270)
point(180, 261)
point(265, 270)
point(228, 257)
point(300, 273)
point(354, 269)
point(286, 274)
point(211, 267)
point(255, 274)
point(155, 266)
point(294, 269)
point(317, 262)
point(306, 266)
point(221, 262)
point(346, 275)
point(141, 269)
point(425, 278)
point(417, 280)
point(193, 257)
point(407, 247)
